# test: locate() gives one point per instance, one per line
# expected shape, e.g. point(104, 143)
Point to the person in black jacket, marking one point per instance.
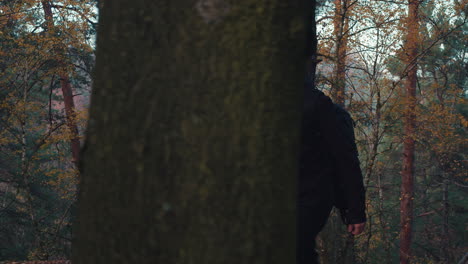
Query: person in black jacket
point(329, 173)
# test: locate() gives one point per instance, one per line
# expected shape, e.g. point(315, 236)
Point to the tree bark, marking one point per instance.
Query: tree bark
point(192, 142)
point(66, 88)
point(407, 174)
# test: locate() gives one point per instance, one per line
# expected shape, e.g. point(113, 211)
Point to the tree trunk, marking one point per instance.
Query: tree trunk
point(445, 223)
point(192, 143)
point(407, 174)
point(311, 48)
point(66, 87)
point(341, 35)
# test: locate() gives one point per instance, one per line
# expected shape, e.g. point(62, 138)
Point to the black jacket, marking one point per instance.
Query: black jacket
point(329, 171)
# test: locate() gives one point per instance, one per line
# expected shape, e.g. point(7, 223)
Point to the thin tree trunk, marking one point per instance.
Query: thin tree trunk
point(375, 139)
point(66, 88)
point(407, 174)
point(191, 148)
point(383, 220)
point(26, 184)
point(341, 36)
point(311, 48)
point(445, 223)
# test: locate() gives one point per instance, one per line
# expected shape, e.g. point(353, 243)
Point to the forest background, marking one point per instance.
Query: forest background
point(364, 63)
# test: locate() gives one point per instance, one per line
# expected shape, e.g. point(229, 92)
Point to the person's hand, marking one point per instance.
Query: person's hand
point(356, 229)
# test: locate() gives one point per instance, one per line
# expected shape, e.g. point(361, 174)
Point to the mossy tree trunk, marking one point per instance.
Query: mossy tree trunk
point(191, 148)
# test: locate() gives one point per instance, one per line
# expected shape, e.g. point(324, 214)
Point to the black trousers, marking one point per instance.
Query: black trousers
point(310, 221)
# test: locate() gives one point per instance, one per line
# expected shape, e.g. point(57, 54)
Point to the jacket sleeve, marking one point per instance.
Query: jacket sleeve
point(348, 176)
